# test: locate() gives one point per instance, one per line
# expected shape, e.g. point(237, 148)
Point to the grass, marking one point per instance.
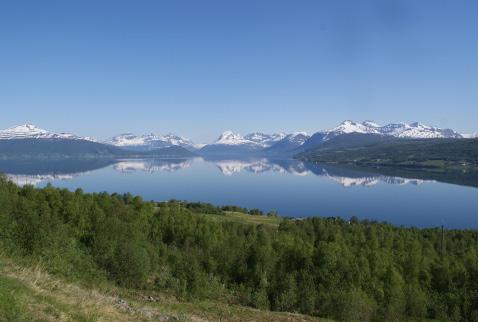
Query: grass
point(239, 217)
point(31, 294)
point(10, 303)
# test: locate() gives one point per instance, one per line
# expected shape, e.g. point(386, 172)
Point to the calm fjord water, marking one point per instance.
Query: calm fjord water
point(291, 187)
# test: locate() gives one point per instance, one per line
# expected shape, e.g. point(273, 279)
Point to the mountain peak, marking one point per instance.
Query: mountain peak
point(227, 133)
point(418, 124)
point(349, 126)
point(299, 133)
point(255, 139)
point(31, 131)
point(27, 127)
point(370, 123)
point(230, 138)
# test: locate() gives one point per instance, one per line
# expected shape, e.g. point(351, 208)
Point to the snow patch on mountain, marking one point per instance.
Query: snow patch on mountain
point(198, 146)
point(127, 139)
point(470, 135)
point(265, 140)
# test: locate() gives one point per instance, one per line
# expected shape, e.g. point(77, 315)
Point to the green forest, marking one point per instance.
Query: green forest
point(346, 270)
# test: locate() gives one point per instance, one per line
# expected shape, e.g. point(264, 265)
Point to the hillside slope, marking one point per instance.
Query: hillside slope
point(31, 294)
point(48, 148)
point(430, 153)
point(132, 251)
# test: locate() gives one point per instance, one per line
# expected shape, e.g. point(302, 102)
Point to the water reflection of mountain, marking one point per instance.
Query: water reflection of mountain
point(53, 166)
point(344, 176)
point(21, 179)
point(152, 165)
point(37, 171)
point(458, 177)
point(229, 167)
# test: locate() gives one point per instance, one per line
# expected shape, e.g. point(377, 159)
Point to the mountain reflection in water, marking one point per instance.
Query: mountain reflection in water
point(34, 172)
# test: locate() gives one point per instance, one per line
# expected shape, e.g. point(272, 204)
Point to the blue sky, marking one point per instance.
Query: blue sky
point(197, 68)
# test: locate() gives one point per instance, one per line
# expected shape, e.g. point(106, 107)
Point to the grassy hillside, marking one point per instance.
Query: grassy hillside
point(32, 294)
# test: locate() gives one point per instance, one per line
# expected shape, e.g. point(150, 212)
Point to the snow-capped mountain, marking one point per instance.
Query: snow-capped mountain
point(30, 141)
point(418, 131)
point(343, 134)
point(30, 131)
point(231, 138)
point(264, 140)
point(400, 130)
point(149, 141)
point(297, 138)
point(233, 143)
point(254, 139)
point(236, 144)
point(347, 127)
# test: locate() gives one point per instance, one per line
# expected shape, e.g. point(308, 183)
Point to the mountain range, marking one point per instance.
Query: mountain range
point(24, 138)
point(347, 132)
point(232, 143)
point(149, 142)
point(29, 141)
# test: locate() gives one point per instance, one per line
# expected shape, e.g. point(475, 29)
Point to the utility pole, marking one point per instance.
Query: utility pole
point(442, 240)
